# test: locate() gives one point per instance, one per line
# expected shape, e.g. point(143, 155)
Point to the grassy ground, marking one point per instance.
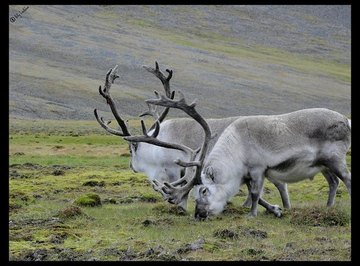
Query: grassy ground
point(50, 170)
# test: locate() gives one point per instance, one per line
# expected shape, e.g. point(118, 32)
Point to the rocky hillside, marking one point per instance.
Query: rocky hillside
point(236, 60)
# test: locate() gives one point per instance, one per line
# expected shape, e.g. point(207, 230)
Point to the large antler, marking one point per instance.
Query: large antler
point(174, 192)
point(110, 78)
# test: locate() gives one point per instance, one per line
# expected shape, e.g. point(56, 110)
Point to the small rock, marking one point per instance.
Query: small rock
point(256, 233)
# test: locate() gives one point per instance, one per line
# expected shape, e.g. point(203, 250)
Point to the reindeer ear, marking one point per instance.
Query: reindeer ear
point(209, 171)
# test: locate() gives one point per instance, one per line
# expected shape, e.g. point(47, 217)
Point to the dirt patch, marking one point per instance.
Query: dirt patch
point(58, 172)
point(158, 253)
point(254, 233)
point(68, 254)
point(166, 208)
point(62, 167)
point(15, 174)
point(231, 210)
point(54, 254)
point(58, 238)
point(31, 166)
point(70, 212)
point(158, 222)
point(20, 235)
point(37, 255)
point(18, 174)
point(59, 169)
point(319, 216)
point(226, 234)
point(198, 244)
point(20, 196)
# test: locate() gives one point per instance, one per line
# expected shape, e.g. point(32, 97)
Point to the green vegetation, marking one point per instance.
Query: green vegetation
point(89, 199)
point(133, 222)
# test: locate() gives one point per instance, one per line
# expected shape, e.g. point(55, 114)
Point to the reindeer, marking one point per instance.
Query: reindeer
point(158, 162)
point(288, 148)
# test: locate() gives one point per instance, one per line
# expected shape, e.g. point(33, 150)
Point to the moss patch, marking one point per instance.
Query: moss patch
point(90, 199)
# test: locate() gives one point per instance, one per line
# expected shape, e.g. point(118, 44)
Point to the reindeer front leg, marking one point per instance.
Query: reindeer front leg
point(248, 200)
point(256, 186)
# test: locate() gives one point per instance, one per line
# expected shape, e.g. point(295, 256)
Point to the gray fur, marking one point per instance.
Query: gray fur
point(288, 148)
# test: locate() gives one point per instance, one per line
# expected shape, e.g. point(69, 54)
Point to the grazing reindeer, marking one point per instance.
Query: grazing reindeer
point(289, 148)
point(158, 162)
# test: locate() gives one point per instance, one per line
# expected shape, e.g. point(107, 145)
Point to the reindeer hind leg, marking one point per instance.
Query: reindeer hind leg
point(339, 168)
point(333, 182)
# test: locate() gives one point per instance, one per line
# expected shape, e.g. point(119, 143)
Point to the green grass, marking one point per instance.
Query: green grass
point(133, 222)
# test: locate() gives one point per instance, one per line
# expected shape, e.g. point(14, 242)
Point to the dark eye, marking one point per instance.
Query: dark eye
point(204, 191)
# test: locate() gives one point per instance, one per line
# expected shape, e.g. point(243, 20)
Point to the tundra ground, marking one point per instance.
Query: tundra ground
point(56, 168)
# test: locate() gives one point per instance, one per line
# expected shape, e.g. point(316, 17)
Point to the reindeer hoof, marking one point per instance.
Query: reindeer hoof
point(277, 211)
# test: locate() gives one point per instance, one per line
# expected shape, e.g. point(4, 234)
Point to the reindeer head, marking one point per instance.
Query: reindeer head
point(208, 199)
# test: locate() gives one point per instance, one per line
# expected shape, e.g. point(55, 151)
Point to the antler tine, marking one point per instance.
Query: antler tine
point(111, 75)
point(145, 132)
point(164, 80)
point(166, 84)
